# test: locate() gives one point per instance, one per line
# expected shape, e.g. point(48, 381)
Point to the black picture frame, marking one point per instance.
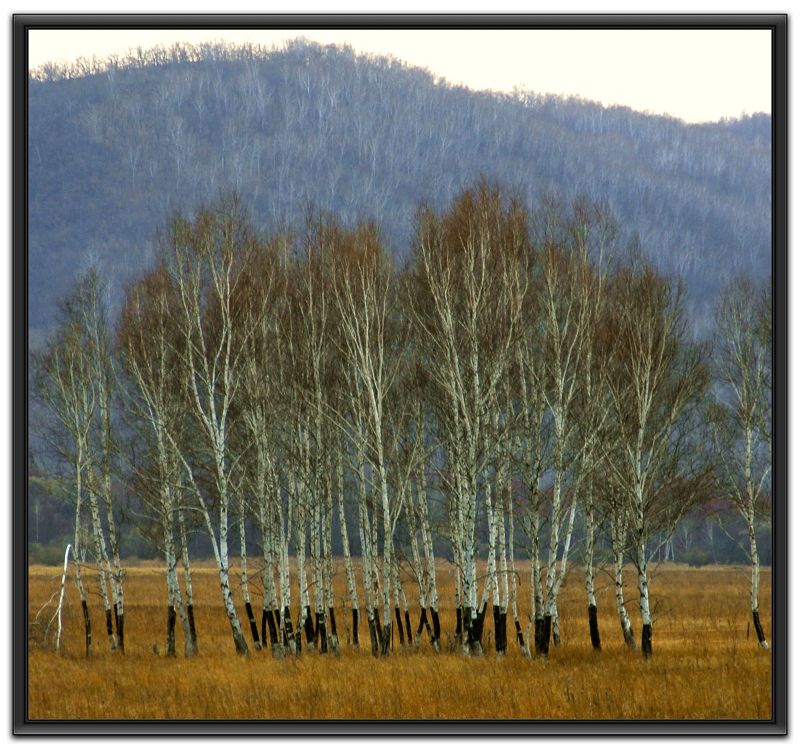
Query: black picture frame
point(777, 24)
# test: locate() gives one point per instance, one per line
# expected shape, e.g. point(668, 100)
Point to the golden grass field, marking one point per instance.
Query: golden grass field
point(705, 664)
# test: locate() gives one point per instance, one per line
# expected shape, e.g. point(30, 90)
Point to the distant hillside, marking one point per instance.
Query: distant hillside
point(114, 151)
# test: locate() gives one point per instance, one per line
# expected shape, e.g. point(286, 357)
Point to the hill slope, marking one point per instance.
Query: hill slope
point(114, 151)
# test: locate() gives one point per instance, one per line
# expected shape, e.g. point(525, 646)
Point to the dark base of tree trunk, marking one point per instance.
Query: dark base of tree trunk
point(87, 627)
point(334, 635)
point(372, 624)
point(459, 634)
point(253, 627)
point(264, 625)
point(520, 637)
point(407, 617)
point(192, 630)
point(472, 629)
point(355, 628)
point(118, 626)
point(423, 621)
point(499, 629)
point(110, 630)
point(386, 639)
point(543, 641)
point(437, 630)
point(320, 633)
point(647, 640)
point(170, 630)
point(121, 633)
point(762, 640)
point(268, 619)
point(594, 630)
point(399, 625)
point(309, 627)
point(538, 632)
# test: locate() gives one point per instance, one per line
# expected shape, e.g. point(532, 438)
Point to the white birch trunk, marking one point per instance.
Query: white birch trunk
point(588, 566)
point(61, 597)
point(103, 566)
point(187, 581)
point(754, 583)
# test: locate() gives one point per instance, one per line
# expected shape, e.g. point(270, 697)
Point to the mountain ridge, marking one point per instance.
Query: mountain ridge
point(114, 151)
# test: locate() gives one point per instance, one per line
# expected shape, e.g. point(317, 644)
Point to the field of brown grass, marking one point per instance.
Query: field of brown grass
point(705, 664)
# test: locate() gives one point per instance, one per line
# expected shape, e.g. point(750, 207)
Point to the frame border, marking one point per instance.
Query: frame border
point(776, 23)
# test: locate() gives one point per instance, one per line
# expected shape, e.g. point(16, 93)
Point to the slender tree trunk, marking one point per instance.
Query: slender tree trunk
point(364, 534)
point(500, 637)
point(316, 578)
point(754, 582)
point(248, 606)
point(225, 586)
point(552, 562)
point(327, 552)
point(588, 563)
point(61, 597)
point(103, 567)
point(170, 646)
point(270, 613)
point(304, 622)
point(644, 597)
point(540, 642)
point(187, 582)
point(469, 499)
point(348, 561)
point(622, 612)
point(523, 646)
point(113, 538)
point(491, 561)
point(76, 553)
point(562, 572)
point(174, 598)
point(430, 560)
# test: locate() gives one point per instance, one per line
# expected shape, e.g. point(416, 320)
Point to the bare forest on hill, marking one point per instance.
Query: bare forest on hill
point(117, 145)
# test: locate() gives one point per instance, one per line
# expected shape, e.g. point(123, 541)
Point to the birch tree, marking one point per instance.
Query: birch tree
point(94, 313)
point(74, 381)
point(465, 301)
point(567, 312)
point(206, 259)
point(366, 298)
point(741, 416)
point(149, 346)
point(655, 387)
point(63, 384)
point(313, 440)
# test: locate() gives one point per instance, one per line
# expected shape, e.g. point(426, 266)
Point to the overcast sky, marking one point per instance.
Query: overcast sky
point(697, 75)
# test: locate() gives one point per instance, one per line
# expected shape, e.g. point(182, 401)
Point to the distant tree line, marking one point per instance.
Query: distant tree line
point(522, 385)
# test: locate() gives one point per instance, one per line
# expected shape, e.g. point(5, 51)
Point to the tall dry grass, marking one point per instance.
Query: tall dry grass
point(706, 664)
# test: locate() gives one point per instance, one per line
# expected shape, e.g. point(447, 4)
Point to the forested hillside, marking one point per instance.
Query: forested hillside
point(114, 148)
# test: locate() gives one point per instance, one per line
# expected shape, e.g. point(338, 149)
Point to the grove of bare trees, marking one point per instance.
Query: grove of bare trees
point(521, 388)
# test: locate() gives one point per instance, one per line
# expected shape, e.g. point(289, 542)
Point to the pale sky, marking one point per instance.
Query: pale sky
point(697, 75)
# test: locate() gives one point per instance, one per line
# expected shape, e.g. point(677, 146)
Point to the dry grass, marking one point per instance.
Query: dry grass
point(704, 666)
